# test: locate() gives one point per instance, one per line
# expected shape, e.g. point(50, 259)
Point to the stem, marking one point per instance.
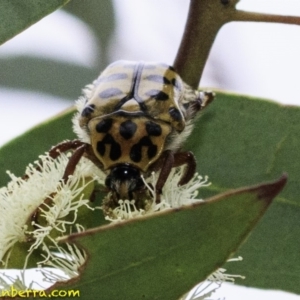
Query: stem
point(205, 18)
point(268, 18)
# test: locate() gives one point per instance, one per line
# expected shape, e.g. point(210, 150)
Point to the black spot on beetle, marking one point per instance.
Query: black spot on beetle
point(153, 128)
point(166, 80)
point(127, 129)
point(136, 153)
point(136, 150)
point(104, 125)
point(152, 150)
point(115, 151)
point(175, 114)
point(115, 148)
point(101, 148)
point(161, 96)
point(88, 110)
point(145, 141)
point(176, 84)
point(110, 92)
point(158, 95)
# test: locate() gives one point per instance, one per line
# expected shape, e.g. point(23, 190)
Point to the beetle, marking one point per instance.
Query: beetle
point(131, 121)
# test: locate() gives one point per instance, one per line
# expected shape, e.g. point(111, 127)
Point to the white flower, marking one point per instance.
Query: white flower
point(57, 215)
point(205, 289)
point(7, 281)
point(67, 261)
point(173, 196)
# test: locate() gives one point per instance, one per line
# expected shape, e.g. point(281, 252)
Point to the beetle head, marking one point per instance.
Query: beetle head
point(124, 180)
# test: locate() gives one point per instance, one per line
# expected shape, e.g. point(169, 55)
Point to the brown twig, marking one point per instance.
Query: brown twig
point(268, 18)
point(205, 18)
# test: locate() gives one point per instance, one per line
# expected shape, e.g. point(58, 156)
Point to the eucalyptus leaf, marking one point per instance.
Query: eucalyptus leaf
point(238, 141)
point(45, 75)
point(16, 154)
point(164, 255)
point(100, 16)
point(17, 15)
point(18, 256)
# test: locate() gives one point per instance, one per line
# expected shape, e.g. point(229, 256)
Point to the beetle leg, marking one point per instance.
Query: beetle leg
point(73, 161)
point(170, 160)
point(55, 151)
point(35, 215)
point(63, 147)
point(188, 158)
point(81, 148)
point(166, 167)
point(70, 168)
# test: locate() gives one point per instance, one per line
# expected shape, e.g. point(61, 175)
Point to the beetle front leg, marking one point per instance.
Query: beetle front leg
point(81, 149)
point(188, 158)
point(166, 167)
point(55, 151)
point(73, 161)
point(170, 160)
point(63, 147)
point(69, 170)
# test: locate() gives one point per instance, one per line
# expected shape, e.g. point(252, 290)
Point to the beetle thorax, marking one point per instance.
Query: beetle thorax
point(128, 139)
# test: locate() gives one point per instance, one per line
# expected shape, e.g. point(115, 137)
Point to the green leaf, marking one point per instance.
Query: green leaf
point(16, 155)
point(18, 256)
point(36, 75)
point(238, 141)
point(48, 75)
point(100, 16)
point(17, 15)
point(164, 255)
